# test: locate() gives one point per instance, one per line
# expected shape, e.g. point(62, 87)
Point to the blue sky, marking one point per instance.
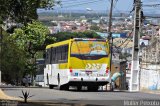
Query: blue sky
point(97, 5)
point(123, 5)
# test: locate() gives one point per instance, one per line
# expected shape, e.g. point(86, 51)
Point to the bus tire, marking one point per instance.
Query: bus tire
point(64, 87)
point(51, 86)
point(58, 80)
point(92, 88)
point(79, 88)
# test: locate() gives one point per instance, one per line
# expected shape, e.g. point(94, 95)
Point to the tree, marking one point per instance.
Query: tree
point(32, 38)
point(13, 60)
point(95, 27)
point(22, 11)
point(67, 35)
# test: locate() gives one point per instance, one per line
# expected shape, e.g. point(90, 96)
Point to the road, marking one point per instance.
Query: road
point(82, 97)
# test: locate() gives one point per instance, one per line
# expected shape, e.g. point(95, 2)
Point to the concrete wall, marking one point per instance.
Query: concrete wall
point(150, 77)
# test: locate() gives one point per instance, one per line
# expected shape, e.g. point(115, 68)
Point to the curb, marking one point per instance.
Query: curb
point(151, 92)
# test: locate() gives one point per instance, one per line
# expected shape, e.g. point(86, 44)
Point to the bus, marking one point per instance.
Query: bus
point(77, 62)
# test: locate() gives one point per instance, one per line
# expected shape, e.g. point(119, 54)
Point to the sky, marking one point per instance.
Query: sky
point(98, 5)
point(95, 5)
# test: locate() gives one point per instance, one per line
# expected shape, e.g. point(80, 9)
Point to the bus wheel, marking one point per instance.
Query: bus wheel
point(51, 86)
point(79, 88)
point(58, 79)
point(64, 87)
point(92, 88)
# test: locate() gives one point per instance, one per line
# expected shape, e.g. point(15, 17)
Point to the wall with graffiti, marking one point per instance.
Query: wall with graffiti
point(150, 78)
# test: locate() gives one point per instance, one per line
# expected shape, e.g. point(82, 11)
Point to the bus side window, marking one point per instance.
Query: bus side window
point(48, 56)
point(63, 53)
point(66, 53)
point(53, 55)
point(57, 55)
point(60, 54)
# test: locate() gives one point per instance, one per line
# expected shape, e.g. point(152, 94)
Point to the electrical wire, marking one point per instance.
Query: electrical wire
point(125, 41)
point(71, 1)
point(80, 3)
point(127, 37)
point(118, 47)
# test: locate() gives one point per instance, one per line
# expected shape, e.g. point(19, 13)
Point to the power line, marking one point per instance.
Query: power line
point(66, 0)
point(129, 37)
point(80, 3)
point(151, 5)
point(124, 41)
point(71, 1)
point(152, 16)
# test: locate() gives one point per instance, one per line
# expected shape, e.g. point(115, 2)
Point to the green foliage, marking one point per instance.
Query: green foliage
point(67, 35)
point(39, 54)
point(32, 37)
point(12, 60)
point(22, 10)
point(94, 27)
point(1, 21)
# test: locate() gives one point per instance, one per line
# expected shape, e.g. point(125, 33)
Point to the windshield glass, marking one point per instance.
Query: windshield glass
point(89, 48)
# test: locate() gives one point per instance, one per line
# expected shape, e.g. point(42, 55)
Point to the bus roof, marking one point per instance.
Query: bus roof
point(88, 39)
point(74, 39)
point(58, 43)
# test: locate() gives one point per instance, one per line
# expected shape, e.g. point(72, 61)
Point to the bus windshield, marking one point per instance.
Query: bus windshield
point(89, 48)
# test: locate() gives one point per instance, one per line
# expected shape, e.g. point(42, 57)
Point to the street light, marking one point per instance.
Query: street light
point(101, 21)
point(91, 10)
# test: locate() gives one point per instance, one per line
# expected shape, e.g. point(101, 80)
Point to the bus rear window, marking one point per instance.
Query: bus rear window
point(89, 48)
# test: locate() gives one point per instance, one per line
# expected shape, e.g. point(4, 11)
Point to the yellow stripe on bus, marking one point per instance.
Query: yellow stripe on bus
point(76, 63)
point(59, 44)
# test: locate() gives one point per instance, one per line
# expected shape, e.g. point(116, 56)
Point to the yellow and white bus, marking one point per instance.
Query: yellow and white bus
point(77, 62)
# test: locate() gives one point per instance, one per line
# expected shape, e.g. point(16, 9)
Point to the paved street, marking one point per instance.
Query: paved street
point(83, 97)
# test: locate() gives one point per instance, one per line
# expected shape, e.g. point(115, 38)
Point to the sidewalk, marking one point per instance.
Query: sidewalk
point(143, 91)
point(151, 91)
point(3, 96)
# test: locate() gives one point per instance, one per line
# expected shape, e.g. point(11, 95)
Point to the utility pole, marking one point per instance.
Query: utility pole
point(134, 82)
point(110, 21)
point(1, 36)
point(110, 38)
